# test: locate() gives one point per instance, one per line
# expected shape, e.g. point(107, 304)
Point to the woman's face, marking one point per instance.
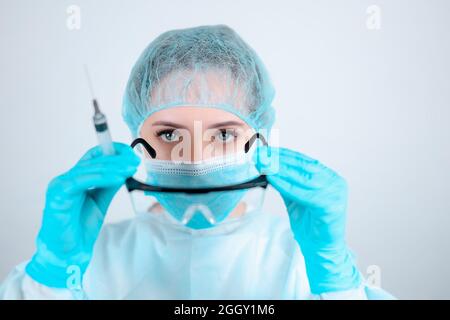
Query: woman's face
point(195, 133)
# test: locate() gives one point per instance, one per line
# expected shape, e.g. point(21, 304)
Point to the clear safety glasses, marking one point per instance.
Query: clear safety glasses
point(201, 194)
point(260, 181)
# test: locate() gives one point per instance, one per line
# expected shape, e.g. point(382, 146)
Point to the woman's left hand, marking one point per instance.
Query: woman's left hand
point(316, 200)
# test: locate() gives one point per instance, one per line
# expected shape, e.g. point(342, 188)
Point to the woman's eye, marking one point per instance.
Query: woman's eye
point(225, 135)
point(170, 135)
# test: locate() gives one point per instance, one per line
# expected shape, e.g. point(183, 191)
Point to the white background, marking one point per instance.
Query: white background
point(372, 104)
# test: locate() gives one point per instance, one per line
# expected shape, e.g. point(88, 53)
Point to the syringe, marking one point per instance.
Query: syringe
point(100, 123)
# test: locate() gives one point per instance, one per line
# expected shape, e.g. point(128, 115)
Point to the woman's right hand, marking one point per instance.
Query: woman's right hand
point(75, 208)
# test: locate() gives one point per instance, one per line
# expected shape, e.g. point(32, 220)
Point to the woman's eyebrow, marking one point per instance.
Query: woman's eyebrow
point(225, 124)
point(215, 125)
point(169, 124)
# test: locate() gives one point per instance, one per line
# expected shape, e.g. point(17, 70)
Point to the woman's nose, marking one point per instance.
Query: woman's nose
point(197, 150)
point(203, 151)
point(203, 148)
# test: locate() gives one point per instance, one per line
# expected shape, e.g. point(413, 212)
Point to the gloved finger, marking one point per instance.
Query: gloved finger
point(104, 196)
point(294, 192)
point(263, 160)
point(119, 148)
point(118, 160)
point(291, 161)
point(93, 220)
point(84, 182)
point(297, 175)
point(272, 157)
point(127, 159)
point(297, 155)
point(333, 194)
point(101, 168)
point(296, 158)
point(318, 173)
point(78, 177)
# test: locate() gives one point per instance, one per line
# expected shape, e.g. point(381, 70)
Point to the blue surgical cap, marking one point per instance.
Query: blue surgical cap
point(206, 66)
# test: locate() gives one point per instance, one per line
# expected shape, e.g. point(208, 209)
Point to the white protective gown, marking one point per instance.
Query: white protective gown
point(150, 257)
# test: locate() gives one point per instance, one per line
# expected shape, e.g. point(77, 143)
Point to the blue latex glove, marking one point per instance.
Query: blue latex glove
point(316, 201)
point(76, 205)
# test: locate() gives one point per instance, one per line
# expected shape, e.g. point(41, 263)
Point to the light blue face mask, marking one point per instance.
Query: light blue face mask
point(203, 210)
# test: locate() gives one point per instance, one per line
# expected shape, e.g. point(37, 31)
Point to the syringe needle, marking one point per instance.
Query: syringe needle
point(88, 77)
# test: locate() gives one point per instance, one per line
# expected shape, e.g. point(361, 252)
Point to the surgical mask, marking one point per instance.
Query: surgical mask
point(199, 194)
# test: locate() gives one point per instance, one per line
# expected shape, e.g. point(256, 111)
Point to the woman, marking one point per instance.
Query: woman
point(194, 96)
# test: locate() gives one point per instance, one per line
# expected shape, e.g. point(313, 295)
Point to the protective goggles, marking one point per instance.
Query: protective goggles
point(133, 184)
